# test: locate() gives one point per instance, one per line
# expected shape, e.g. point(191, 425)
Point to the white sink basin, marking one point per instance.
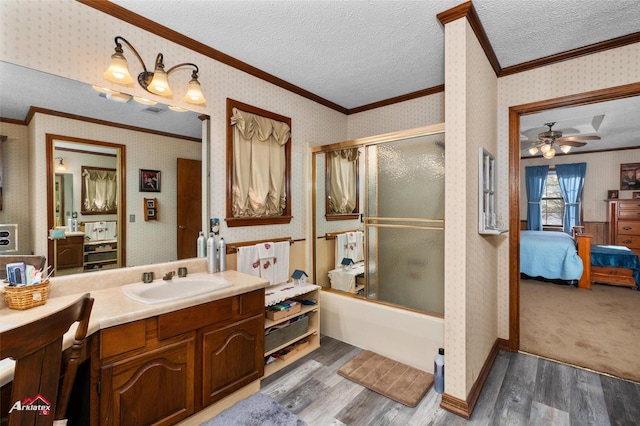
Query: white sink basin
point(160, 291)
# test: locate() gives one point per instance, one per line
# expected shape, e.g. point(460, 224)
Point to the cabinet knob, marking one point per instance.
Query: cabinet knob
point(626, 241)
point(626, 228)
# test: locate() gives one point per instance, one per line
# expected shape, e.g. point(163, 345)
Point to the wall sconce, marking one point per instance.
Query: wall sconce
point(155, 82)
point(60, 167)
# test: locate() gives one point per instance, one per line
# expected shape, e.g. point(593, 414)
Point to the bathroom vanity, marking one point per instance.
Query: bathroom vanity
point(160, 363)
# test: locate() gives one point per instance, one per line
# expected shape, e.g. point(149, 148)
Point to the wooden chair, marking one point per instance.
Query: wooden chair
point(37, 349)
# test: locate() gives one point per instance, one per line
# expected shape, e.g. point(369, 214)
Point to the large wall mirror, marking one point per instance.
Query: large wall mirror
point(36, 104)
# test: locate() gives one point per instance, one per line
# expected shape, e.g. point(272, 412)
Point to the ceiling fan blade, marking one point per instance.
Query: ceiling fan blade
point(570, 143)
point(579, 138)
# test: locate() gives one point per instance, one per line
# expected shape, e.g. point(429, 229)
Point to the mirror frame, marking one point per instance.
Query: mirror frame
point(355, 214)
point(122, 208)
point(83, 192)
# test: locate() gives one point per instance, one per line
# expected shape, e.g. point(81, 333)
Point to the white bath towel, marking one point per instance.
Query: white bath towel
point(266, 250)
point(341, 248)
point(110, 231)
point(248, 262)
point(281, 251)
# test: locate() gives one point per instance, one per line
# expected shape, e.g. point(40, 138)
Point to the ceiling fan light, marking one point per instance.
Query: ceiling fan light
point(160, 84)
point(545, 148)
point(533, 150)
point(194, 93)
point(549, 154)
point(565, 148)
point(118, 70)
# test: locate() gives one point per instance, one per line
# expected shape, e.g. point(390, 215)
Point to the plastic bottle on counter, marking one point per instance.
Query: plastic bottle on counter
point(74, 222)
point(201, 244)
point(222, 254)
point(211, 254)
point(438, 371)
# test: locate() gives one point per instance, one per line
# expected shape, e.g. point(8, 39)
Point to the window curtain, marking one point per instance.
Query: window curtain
point(535, 177)
point(100, 190)
point(342, 188)
point(259, 165)
point(571, 182)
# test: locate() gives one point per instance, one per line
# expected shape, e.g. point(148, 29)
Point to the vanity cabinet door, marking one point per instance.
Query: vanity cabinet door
point(69, 252)
point(155, 387)
point(232, 357)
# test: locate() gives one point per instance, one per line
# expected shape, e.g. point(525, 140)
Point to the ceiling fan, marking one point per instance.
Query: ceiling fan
point(549, 138)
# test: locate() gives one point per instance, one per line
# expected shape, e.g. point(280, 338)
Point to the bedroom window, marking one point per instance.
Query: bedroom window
point(552, 203)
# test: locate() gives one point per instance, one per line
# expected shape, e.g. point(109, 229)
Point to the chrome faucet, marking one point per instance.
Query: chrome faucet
point(169, 275)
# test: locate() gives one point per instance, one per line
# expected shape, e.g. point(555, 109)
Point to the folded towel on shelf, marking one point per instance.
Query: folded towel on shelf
point(248, 261)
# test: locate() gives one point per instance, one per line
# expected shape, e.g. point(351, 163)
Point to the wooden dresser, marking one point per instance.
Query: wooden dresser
point(624, 223)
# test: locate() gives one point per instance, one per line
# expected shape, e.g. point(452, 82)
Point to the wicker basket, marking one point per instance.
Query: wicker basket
point(26, 297)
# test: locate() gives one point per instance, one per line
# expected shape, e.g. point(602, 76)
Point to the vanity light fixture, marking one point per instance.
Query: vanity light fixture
point(60, 167)
point(156, 82)
point(144, 101)
point(177, 108)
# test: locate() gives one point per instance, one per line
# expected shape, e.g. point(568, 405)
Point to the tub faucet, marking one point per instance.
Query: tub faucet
point(169, 275)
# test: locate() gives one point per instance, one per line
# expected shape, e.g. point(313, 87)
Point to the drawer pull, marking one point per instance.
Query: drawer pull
point(626, 228)
point(626, 241)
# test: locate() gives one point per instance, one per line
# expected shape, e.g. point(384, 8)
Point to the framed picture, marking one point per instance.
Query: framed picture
point(613, 193)
point(636, 195)
point(629, 176)
point(149, 180)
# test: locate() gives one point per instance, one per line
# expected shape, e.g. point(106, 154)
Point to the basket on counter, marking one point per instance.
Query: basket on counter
point(28, 296)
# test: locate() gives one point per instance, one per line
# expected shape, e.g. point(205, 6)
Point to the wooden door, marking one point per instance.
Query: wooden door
point(189, 214)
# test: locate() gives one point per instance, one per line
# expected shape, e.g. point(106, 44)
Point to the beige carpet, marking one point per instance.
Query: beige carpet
point(400, 382)
point(597, 329)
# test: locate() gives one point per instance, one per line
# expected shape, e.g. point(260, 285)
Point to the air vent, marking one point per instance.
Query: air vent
point(153, 110)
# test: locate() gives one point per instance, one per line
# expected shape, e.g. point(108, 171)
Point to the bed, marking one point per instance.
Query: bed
point(558, 256)
point(550, 255)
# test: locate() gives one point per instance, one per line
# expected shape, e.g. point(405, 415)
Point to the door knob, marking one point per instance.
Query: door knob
point(182, 227)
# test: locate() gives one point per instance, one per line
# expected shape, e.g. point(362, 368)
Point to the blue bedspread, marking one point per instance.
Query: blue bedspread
point(551, 255)
point(617, 256)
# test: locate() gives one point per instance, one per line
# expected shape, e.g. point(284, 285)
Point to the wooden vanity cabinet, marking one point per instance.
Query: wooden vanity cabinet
point(163, 369)
point(69, 252)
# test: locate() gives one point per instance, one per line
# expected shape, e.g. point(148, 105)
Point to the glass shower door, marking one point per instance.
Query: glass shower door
point(404, 224)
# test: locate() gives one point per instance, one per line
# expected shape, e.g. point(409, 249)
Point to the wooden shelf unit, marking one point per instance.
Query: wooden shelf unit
point(100, 255)
point(309, 292)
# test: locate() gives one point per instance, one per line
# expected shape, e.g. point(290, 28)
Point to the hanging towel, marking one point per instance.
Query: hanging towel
point(267, 261)
point(110, 231)
point(248, 262)
point(358, 250)
point(281, 262)
point(341, 249)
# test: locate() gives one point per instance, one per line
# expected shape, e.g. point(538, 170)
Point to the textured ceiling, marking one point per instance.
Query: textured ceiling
point(355, 53)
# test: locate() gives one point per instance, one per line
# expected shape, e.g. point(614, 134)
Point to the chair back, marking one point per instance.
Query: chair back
point(35, 260)
point(37, 349)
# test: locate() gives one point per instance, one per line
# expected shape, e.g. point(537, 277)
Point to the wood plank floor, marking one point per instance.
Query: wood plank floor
point(521, 390)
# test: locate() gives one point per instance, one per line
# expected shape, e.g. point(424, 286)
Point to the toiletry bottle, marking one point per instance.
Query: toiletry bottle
point(201, 245)
point(438, 371)
point(69, 221)
point(211, 254)
point(222, 253)
point(74, 222)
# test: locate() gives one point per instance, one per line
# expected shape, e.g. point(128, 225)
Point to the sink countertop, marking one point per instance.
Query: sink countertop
point(111, 307)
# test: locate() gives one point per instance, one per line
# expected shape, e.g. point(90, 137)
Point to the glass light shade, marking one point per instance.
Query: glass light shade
point(104, 90)
point(533, 150)
point(549, 154)
point(60, 167)
point(194, 93)
point(565, 148)
point(177, 108)
point(544, 148)
point(144, 101)
point(160, 84)
point(118, 70)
